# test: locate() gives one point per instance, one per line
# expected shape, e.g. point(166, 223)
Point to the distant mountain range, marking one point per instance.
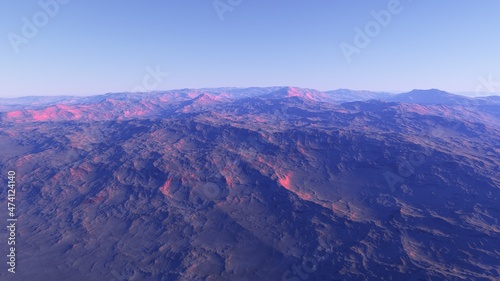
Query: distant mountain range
point(276, 183)
point(132, 105)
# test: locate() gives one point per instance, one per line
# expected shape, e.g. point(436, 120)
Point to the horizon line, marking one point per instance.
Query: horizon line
point(470, 94)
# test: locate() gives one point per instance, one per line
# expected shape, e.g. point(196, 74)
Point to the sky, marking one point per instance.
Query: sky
point(77, 47)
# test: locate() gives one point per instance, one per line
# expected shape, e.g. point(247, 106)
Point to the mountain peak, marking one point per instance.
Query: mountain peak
point(250, 186)
point(428, 92)
point(431, 96)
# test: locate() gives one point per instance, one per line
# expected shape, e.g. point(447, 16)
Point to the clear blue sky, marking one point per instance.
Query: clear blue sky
point(93, 47)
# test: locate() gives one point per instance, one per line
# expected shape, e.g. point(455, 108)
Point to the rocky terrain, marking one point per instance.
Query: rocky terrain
point(273, 183)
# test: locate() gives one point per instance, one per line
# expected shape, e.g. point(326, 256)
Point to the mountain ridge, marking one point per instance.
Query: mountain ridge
point(142, 105)
point(273, 187)
point(232, 90)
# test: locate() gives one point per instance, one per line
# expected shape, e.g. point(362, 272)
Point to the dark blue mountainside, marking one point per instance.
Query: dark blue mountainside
point(274, 183)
